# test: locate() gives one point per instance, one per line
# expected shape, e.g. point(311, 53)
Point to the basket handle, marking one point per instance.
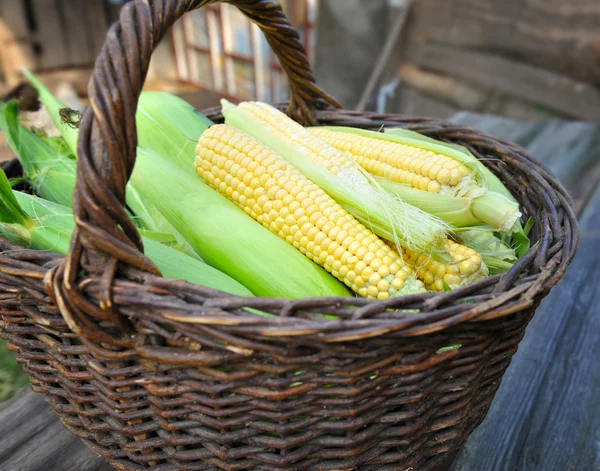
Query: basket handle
point(104, 234)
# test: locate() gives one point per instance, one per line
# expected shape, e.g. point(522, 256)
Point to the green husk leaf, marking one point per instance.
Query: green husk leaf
point(10, 211)
point(144, 215)
point(44, 225)
point(51, 176)
point(56, 109)
point(16, 181)
point(528, 226)
point(454, 210)
point(449, 348)
point(496, 254)
point(171, 127)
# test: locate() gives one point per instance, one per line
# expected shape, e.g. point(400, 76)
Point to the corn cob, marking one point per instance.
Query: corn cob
point(419, 168)
point(340, 177)
point(227, 238)
point(284, 201)
point(497, 255)
point(436, 178)
point(499, 251)
point(466, 267)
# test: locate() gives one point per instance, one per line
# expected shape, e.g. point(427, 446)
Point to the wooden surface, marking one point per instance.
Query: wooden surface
point(524, 59)
point(34, 440)
point(546, 414)
point(51, 34)
point(557, 35)
point(518, 79)
point(346, 43)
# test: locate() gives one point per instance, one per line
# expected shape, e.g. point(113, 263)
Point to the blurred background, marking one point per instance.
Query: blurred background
point(523, 59)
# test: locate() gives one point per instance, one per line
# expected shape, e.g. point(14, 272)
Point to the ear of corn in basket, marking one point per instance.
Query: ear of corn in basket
point(337, 174)
point(501, 248)
point(465, 267)
point(495, 252)
point(227, 238)
point(439, 179)
point(439, 256)
point(51, 171)
point(287, 203)
point(43, 225)
point(305, 169)
point(151, 130)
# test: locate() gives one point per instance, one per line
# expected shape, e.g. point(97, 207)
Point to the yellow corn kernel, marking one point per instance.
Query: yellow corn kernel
point(315, 148)
point(420, 168)
point(325, 237)
point(467, 266)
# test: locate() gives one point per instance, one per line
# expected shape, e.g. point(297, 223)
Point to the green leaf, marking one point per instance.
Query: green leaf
point(15, 181)
point(10, 210)
point(450, 347)
point(528, 226)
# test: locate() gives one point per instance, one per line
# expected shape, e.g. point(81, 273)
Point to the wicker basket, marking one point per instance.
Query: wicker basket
point(163, 375)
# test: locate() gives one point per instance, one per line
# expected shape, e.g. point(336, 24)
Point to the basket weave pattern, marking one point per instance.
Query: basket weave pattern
point(164, 375)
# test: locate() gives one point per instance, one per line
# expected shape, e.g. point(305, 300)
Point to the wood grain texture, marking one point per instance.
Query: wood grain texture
point(33, 439)
point(522, 80)
point(16, 45)
point(570, 149)
point(79, 42)
point(558, 35)
point(355, 21)
point(51, 34)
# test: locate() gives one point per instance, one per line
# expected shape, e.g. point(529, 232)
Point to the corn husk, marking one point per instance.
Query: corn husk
point(43, 225)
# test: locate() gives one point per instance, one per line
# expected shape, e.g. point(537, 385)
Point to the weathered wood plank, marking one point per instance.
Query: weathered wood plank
point(79, 42)
point(33, 439)
point(50, 34)
point(97, 14)
point(411, 102)
point(558, 35)
point(16, 45)
point(357, 54)
point(521, 80)
point(546, 414)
